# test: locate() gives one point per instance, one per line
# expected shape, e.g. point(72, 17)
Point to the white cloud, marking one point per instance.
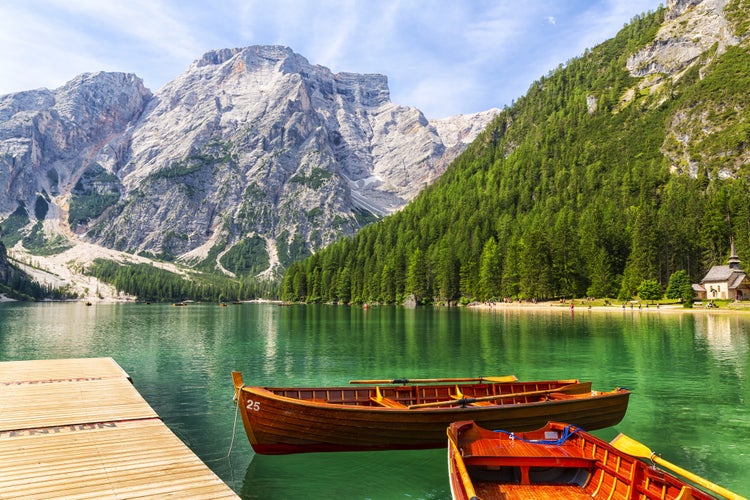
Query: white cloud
point(442, 56)
point(53, 41)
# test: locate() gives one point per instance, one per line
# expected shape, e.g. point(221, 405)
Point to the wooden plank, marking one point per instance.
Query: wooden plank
point(27, 406)
point(127, 459)
point(491, 491)
point(89, 434)
point(49, 370)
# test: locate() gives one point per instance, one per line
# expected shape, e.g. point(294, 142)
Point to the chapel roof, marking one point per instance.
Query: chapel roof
point(732, 277)
point(719, 273)
point(737, 281)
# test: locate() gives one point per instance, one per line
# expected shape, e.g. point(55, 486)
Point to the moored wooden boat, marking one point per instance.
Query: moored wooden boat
point(412, 414)
point(557, 461)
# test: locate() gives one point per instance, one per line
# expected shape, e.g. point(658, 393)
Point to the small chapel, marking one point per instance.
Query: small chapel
point(724, 282)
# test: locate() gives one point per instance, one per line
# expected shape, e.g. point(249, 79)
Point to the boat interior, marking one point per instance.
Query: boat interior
point(525, 465)
point(410, 396)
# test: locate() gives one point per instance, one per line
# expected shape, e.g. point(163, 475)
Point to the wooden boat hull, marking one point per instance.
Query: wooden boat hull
point(494, 466)
point(278, 424)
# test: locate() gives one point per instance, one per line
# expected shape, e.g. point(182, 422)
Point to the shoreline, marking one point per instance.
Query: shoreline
point(584, 307)
point(580, 306)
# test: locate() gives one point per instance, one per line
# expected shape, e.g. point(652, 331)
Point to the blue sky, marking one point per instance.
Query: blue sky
point(444, 57)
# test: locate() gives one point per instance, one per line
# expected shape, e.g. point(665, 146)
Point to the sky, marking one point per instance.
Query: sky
point(444, 57)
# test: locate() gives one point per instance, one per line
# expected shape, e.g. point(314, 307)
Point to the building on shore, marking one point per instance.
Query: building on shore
point(724, 282)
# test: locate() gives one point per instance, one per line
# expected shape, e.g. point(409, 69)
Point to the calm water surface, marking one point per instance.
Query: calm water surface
point(688, 373)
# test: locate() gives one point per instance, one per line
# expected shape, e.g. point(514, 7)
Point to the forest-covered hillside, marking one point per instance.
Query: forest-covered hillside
point(588, 185)
point(17, 285)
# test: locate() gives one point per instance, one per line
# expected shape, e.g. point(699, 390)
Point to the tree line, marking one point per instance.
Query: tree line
point(17, 285)
point(150, 283)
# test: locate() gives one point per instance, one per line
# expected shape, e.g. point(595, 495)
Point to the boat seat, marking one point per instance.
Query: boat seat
point(491, 490)
point(560, 395)
point(685, 494)
point(381, 400)
point(554, 460)
point(387, 402)
point(456, 397)
point(460, 395)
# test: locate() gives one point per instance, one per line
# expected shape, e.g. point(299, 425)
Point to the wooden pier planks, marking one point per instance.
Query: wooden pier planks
point(78, 429)
point(80, 402)
point(60, 369)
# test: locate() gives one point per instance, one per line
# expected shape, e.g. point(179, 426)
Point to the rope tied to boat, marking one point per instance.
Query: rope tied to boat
point(234, 425)
point(567, 432)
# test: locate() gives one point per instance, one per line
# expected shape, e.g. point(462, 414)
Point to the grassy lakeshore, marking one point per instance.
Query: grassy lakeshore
point(603, 305)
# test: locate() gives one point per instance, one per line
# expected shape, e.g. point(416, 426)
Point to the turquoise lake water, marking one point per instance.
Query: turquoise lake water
point(688, 374)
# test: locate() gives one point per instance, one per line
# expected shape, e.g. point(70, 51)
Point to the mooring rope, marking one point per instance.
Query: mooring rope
point(228, 456)
point(234, 433)
point(234, 426)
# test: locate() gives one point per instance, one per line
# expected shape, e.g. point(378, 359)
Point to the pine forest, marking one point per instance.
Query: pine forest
point(585, 186)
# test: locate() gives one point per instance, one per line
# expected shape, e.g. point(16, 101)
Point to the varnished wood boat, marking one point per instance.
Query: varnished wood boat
point(412, 414)
point(558, 461)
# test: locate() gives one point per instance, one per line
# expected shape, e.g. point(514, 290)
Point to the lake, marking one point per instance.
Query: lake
point(688, 373)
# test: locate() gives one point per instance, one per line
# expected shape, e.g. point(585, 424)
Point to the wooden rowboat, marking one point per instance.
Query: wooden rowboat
point(412, 414)
point(558, 461)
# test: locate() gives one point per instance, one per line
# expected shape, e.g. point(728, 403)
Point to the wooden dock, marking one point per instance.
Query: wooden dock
point(77, 429)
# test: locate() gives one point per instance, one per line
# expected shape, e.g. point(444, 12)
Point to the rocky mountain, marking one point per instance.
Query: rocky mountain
point(251, 158)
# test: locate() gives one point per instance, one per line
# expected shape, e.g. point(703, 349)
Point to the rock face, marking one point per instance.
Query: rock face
point(48, 138)
point(247, 143)
point(694, 35)
point(691, 28)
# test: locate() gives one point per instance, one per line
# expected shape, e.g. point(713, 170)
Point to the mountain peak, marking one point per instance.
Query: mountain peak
point(367, 89)
point(254, 53)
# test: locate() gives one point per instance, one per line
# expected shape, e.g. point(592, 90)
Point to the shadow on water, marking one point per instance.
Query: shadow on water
point(367, 475)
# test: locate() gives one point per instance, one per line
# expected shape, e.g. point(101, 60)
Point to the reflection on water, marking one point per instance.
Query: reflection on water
point(726, 338)
point(380, 475)
point(690, 402)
